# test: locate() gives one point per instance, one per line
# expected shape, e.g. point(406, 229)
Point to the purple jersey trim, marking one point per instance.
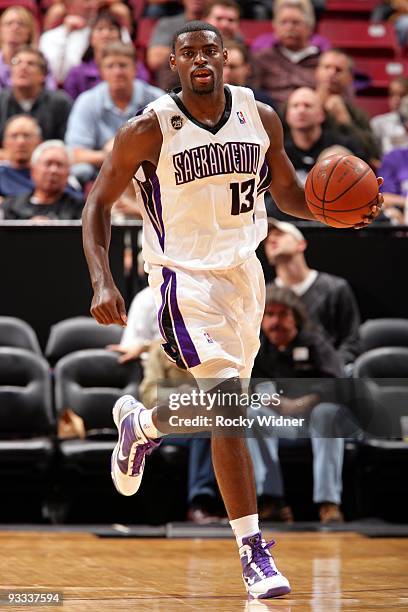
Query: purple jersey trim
point(151, 194)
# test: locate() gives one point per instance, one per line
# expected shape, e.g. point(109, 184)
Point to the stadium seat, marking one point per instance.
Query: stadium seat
point(381, 71)
point(17, 333)
point(79, 333)
point(252, 28)
point(354, 9)
point(89, 382)
point(360, 38)
point(27, 430)
point(144, 31)
point(373, 105)
point(377, 333)
point(381, 399)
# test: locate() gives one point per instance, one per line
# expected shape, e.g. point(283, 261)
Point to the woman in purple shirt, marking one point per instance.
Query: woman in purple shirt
point(105, 29)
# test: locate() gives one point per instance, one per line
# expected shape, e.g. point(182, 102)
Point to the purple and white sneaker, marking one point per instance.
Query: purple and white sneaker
point(261, 577)
point(128, 457)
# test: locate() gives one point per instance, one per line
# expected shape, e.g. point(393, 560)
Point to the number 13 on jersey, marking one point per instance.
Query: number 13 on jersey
point(242, 196)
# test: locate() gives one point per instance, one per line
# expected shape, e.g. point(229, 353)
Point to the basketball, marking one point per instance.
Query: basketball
point(340, 190)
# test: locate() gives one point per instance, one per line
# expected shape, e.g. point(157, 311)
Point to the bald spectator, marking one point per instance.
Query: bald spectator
point(162, 37)
point(98, 113)
point(65, 45)
point(334, 85)
point(50, 165)
point(21, 136)
point(291, 60)
point(308, 133)
point(28, 94)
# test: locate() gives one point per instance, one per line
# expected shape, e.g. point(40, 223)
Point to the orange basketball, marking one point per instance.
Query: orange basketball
point(340, 190)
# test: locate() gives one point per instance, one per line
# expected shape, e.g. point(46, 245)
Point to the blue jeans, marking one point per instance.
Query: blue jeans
point(328, 454)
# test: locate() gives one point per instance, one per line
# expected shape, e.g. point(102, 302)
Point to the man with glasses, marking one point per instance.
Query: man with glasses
point(98, 113)
point(29, 95)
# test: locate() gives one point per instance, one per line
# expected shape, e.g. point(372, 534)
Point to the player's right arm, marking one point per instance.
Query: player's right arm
point(137, 141)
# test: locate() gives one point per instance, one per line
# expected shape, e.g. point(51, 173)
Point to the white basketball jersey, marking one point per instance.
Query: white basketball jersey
point(204, 208)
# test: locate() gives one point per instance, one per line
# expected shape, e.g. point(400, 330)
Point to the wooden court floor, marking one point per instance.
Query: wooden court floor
point(328, 572)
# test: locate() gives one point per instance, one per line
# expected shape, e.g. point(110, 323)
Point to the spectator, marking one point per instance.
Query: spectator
point(237, 70)
point(21, 136)
point(334, 85)
point(65, 45)
point(291, 349)
point(329, 299)
point(162, 37)
point(394, 170)
point(268, 39)
point(97, 114)
point(389, 128)
point(224, 15)
point(104, 30)
point(28, 94)
point(156, 9)
point(17, 29)
point(308, 132)
point(50, 163)
point(141, 329)
point(120, 11)
point(291, 61)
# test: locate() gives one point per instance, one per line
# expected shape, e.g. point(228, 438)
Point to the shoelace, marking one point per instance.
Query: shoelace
point(261, 559)
point(140, 453)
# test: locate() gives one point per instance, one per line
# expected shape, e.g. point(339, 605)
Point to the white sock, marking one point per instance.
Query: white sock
point(148, 427)
point(244, 527)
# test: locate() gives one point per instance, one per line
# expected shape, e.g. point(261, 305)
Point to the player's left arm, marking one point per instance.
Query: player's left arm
point(285, 188)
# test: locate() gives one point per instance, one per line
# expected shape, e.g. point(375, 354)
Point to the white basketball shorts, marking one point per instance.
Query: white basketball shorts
point(206, 315)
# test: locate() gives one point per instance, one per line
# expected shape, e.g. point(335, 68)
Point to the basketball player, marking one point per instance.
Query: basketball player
point(202, 157)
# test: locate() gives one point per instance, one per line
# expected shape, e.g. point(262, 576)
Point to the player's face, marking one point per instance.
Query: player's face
point(199, 59)
point(279, 324)
point(280, 245)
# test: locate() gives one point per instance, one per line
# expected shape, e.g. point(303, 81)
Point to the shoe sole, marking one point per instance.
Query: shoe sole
point(275, 592)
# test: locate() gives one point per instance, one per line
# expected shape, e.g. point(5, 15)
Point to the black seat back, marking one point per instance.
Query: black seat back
point(79, 333)
point(17, 333)
point(383, 332)
point(90, 381)
point(25, 394)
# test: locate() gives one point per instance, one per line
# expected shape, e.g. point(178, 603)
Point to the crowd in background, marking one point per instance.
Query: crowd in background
point(80, 69)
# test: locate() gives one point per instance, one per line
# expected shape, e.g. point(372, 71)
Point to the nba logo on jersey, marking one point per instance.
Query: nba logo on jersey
point(208, 338)
point(241, 117)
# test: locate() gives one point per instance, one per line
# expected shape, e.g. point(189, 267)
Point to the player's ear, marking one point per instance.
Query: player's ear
point(172, 61)
point(225, 55)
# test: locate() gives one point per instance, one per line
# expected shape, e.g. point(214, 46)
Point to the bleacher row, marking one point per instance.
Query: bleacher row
point(67, 479)
point(346, 23)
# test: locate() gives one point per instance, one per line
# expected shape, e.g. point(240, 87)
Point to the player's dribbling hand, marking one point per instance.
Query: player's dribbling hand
point(375, 208)
point(108, 306)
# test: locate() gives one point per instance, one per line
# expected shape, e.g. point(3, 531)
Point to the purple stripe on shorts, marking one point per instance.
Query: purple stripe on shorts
point(186, 345)
point(163, 290)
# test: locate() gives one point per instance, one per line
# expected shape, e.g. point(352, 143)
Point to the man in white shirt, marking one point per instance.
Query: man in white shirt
point(64, 46)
